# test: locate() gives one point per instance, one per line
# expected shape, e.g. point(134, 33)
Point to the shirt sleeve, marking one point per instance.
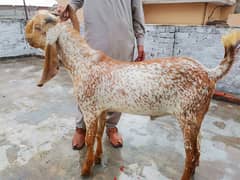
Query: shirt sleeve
point(138, 21)
point(76, 4)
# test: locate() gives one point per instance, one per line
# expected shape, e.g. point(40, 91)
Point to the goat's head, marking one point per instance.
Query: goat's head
point(43, 31)
point(37, 27)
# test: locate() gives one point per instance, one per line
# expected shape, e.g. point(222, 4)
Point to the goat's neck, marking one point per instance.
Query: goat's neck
point(76, 55)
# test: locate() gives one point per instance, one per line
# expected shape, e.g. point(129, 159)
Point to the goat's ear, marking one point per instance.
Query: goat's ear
point(51, 64)
point(73, 17)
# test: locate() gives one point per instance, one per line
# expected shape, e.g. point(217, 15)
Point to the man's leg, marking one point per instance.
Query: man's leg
point(78, 140)
point(112, 131)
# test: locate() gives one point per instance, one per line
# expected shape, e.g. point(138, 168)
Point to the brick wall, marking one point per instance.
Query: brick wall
point(12, 40)
point(202, 43)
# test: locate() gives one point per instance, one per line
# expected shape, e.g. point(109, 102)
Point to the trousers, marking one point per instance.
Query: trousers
point(112, 119)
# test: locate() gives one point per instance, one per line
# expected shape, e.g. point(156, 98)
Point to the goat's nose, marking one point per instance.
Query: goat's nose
point(30, 41)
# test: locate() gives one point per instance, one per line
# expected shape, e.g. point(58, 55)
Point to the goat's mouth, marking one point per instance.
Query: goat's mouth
point(35, 44)
point(30, 41)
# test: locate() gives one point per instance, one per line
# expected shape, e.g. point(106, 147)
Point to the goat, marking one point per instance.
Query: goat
point(177, 86)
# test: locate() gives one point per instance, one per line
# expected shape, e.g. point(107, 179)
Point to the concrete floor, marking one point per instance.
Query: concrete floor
point(37, 124)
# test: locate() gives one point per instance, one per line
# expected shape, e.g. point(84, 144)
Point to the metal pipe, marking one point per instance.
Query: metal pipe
point(25, 9)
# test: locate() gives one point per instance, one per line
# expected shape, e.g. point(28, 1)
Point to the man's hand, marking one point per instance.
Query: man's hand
point(141, 53)
point(63, 13)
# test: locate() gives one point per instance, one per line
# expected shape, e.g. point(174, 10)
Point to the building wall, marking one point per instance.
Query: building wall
point(12, 40)
point(199, 42)
point(186, 13)
point(202, 43)
point(191, 14)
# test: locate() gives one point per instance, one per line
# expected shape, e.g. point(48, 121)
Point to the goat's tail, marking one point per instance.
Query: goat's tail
point(231, 43)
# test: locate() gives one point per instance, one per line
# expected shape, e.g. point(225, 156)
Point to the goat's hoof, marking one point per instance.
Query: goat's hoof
point(98, 160)
point(193, 172)
point(85, 171)
point(197, 163)
point(188, 175)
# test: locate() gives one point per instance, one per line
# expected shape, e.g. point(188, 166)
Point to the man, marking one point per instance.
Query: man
point(112, 27)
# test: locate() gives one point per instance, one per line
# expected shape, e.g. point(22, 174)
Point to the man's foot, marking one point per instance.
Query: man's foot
point(78, 140)
point(114, 138)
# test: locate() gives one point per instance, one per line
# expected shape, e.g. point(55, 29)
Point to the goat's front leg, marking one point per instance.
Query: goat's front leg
point(101, 126)
point(91, 128)
point(190, 134)
point(198, 149)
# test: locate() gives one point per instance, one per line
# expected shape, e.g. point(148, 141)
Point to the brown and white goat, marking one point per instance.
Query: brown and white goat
point(177, 86)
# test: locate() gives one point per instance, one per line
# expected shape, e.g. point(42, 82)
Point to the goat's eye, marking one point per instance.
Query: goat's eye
point(37, 27)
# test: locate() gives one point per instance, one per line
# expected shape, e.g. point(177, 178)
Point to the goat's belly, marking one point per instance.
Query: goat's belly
point(140, 106)
point(141, 111)
point(144, 100)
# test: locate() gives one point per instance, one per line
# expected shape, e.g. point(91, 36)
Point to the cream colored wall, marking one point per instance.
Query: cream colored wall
point(186, 14)
point(218, 12)
point(174, 13)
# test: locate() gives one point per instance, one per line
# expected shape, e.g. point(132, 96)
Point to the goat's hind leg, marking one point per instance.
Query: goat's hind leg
point(190, 133)
point(101, 126)
point(91, 128)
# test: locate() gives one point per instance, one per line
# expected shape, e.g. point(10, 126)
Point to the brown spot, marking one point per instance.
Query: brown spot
point(122, 92)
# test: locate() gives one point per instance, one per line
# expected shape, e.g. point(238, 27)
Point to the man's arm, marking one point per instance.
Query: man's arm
point(76, 4)
point(138, 27)
point(63, 10)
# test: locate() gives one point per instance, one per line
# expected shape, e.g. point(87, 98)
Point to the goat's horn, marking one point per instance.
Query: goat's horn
point(50, 19)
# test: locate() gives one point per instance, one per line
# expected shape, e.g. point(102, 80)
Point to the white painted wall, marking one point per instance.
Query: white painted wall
point(12, 39)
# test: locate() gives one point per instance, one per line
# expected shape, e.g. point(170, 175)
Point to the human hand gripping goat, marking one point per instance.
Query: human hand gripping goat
point(177, 86)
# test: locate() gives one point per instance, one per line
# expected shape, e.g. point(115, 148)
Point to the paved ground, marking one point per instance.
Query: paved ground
point(36, 126)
